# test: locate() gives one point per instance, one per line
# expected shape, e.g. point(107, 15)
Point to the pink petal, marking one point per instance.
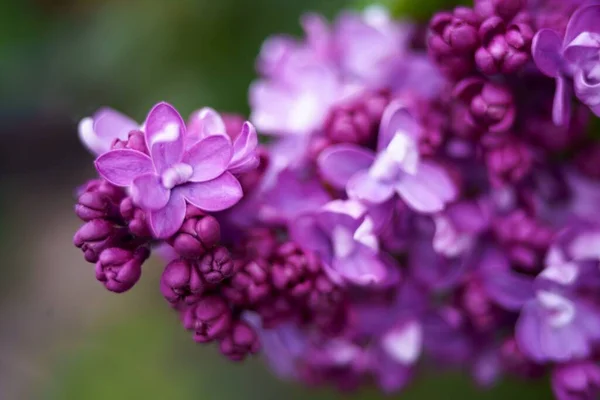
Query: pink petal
point(206, 122)
point(337, 164)
point(165, 132)
point(397, 118)
point(363, 187)
point(429, 190)
point(214, 195)
point(546, 50)
point(243, 148)
point(209, 157)
point(166, 221)
point(148, 192)
point(121, 167)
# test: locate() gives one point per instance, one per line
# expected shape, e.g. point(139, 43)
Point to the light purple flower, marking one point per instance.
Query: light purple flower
point(576, 381)
point(396, 169)
point(162, 182)
point(575, 56)
point(561, 323)
point(99, 131)
point(341, 233)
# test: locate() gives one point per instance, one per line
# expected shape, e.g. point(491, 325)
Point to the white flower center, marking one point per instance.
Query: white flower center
point(561, 311)
point(177, 175)
point(404, 345)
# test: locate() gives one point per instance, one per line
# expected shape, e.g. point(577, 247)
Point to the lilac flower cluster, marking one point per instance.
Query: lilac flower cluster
point(415, 204)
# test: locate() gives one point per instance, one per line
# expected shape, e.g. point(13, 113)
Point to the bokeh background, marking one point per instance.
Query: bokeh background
point(62, 336)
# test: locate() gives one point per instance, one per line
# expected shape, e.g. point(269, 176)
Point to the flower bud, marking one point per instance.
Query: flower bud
point(135, 218)
point(120, 269)
point(196, 236)
point(99, 199)
point(209, 318)
point(241, 341)
point(509, 162)
point(95, 236)
point(216, 265)
point(181, 283)
point(135, 141)
point(249, 285)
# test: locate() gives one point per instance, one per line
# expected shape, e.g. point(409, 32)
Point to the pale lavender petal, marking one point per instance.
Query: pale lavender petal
point(546, 50)
point(585, 19)
point(214, 195)
point(165, 131)
point(397, 119)
point(429, 190)
point(507, 288)
point(363, 187)
point(561, 109)
point(88, 137)
point(244, 148)
point(338, 163)
point(166, 221)
point(585, 47)
point(209, 157)
point(362, 267)
point(588, 90)
point(305, 231)
point(121, 167)
point(148, 192)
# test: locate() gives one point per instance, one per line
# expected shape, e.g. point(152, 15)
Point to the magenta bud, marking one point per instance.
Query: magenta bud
point(98, 199)
point(509, 162)
point(239, 342)
point(196, 236)
point(210, 319)
point(216, 265)
point(95, 236)
point(135, 141)
point(135, 218)
point(249, 285)
point(119, 269)
point(181, 283)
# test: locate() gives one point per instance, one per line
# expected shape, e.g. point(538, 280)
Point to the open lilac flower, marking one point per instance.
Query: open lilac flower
point(100, 131)
point(341, 234)
point(396, 169)
point(162, 182)
point(576, 56)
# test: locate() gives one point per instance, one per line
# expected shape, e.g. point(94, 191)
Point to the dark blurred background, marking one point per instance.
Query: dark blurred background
point(62, 336)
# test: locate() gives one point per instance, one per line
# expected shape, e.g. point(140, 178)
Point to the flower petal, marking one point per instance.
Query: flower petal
point(546, 50)
point(397, 119)
point(305, 231)
point(429, 190)
point(561, 109)
point(165, 132)
point(363, 187)
point(205, 122)
point(121, 167)
point(338, 163)
point(583, 48)
point(244, 148)
point(209, 157)
point(363, 267)
point(585, 19)
point(166, 221)
point(148, 192)
point(587, 90)
point(214, 195)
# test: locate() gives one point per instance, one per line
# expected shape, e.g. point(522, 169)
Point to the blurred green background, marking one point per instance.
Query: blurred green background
point(62, 336)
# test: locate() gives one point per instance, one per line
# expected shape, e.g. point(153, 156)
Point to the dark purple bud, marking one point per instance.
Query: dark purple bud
point(509, 162)
point(135, 141)
point(196, 236)
point(293, 271)
point(491, 105)
point(216, 265)
point(120, 269)
point(525, 239)
point(576, 381)
point(95, 236)
point(453, 40)
point(181, 283)
point(250, 284)
point(482, 313)
point(505, 9)
point(210, 319)
point(276, 310)
point(99, 199)
point(135, 218)
point(588, 160)
point(239, 342)
point(260, 243)
point(357, 119)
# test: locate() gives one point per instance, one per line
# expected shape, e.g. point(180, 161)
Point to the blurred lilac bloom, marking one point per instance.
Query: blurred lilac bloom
point(576, 381)
point(162, 182)
point(575, 56)
point(341, 233)
point(561, 323)
point(397, 168)
point(99, 131)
